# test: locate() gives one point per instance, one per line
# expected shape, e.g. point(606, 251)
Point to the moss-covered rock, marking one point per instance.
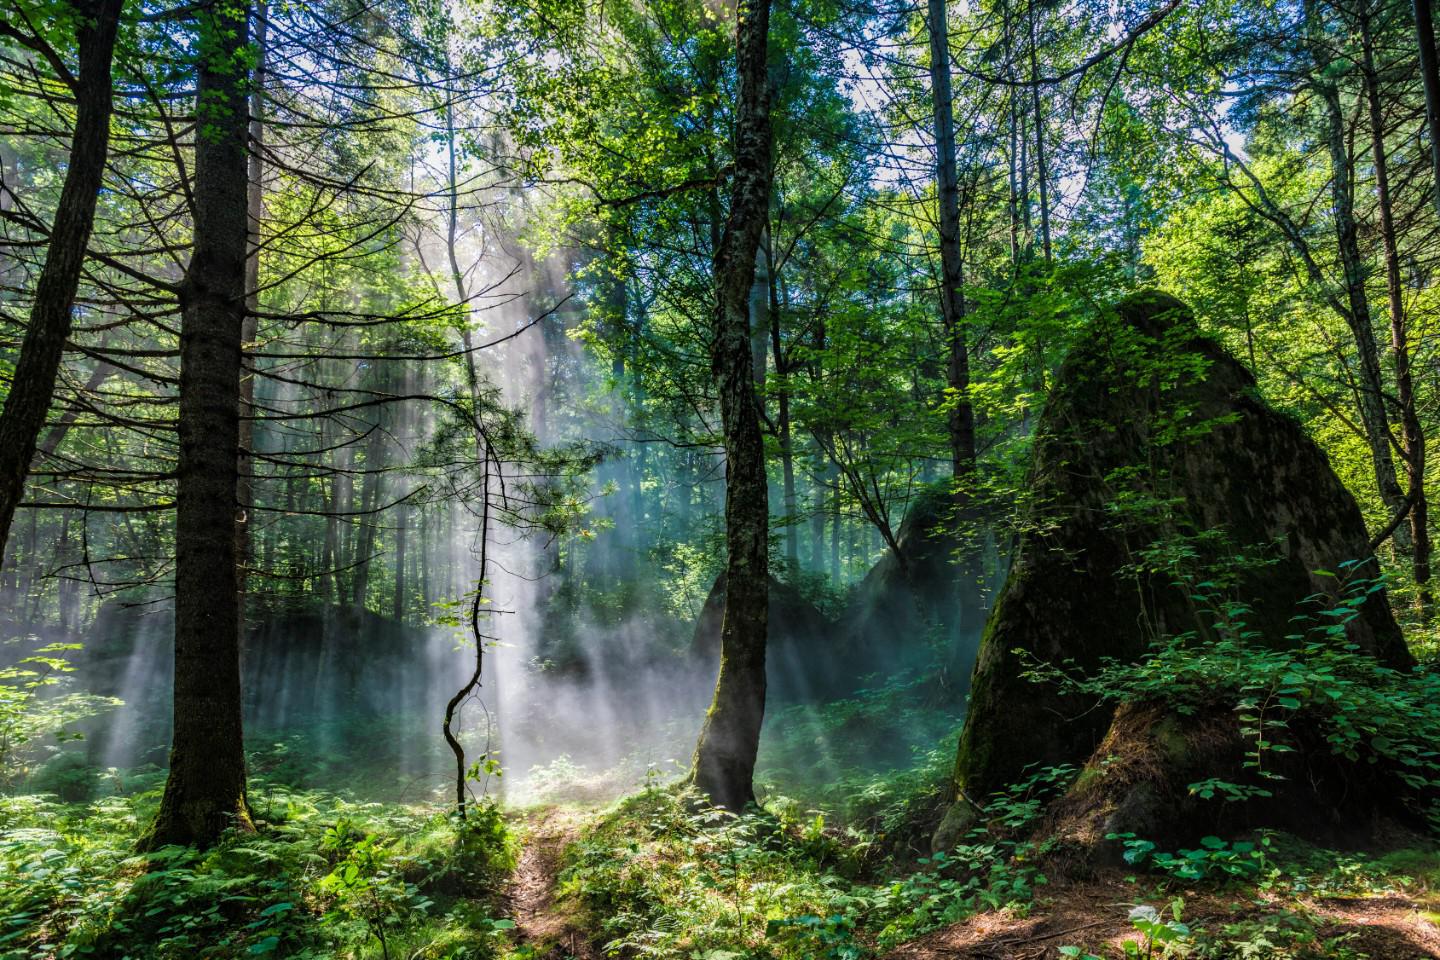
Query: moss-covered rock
point(1155, 458)
point(1139, 782)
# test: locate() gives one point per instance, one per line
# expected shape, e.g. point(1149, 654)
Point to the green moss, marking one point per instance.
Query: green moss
point(1169, 735)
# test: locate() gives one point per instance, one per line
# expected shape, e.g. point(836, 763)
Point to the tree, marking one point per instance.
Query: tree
point(96, 25)
point(961, 419)
point(1430, 77)
point(205, 792)
point(724, 762)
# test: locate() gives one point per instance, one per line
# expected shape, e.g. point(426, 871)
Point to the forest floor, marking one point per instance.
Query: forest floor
point(1095, 916)
point(542, 924)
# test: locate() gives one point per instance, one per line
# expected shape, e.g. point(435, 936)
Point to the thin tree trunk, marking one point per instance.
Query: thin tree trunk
point(960, 421)
point(33, 383)
point(1372, 389)
point(254, 212)
point(1412, 435)
point(1042, 174)
point(1013, 208)
point(205, 792)
point(401, 525)
point(724, 762)
point(816, 504)
point(330, 548)
point(1430, 76)
point(787, 441)
point(370, 501)
point(477, 609)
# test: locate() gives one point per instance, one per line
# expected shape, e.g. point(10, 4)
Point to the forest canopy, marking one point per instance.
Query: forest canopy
point(755, 479)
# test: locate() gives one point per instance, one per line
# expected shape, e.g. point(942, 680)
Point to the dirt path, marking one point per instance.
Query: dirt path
point(1095, 916)
point(541, 924)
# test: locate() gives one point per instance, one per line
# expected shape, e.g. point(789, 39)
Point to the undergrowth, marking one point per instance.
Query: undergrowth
point(323, 877)
point(661, 876)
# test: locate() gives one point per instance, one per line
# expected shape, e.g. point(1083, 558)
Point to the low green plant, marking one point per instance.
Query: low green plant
point(323, 877)
point(37, 714)
point(1214, 857)
point(1284, 934)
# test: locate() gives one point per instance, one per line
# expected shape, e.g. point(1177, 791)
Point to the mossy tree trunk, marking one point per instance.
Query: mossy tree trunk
point(205, 792)
point(724, 762)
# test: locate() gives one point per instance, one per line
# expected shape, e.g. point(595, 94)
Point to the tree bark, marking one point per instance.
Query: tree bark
point(787, 439)
point(724, 762)
point(33, 384)
point(960, 422)
point(1012, 158)
point(1412, 435)
point(250, 329)
point(1042, 174)
point(370, 501)
point(205, 792)
point(1430, 76)
point(1362, 328)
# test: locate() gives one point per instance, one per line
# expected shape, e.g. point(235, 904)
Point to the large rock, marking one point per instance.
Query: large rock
point(933, 595)
point(1152, 432)
point(803, 658)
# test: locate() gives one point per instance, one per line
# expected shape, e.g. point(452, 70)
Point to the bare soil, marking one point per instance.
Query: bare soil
point(1095, 915)
point(543, 923)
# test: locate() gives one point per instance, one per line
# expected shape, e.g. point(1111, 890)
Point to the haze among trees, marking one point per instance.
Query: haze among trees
point(747, 480)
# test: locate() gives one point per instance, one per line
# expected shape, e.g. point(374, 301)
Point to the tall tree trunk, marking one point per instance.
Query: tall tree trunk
point(370, 500)
point(787, 440)
point(33, 383)
point(1042, 173)
point(1013, 206)
point(1430, 76)
point(817, 523)
point(1412, 435)
point(760, 311)
point(205, 792)
point(724, 763)
point(835, 518)
point(330, 547)
point(1362, 329)
point(960, 421)
point(254, 212)
point(401, 524)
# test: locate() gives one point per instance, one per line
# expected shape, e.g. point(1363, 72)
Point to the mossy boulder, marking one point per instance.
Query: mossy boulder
point(1155, 457)
point(1140, 782)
